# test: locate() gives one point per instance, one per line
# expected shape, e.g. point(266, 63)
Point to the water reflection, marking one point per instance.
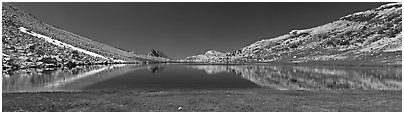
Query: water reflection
point(216, 76)
point(63, 79)
point(33, 80)
point(156, 68)
point(313, 77)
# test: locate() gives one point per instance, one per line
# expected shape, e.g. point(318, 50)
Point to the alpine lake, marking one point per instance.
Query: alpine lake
point(204, 87)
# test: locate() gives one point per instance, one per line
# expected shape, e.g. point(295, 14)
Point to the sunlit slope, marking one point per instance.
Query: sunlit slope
point(371, 37)
point(29, 42)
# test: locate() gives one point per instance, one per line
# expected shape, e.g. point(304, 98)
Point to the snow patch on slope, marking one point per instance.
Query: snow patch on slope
point(62, 44)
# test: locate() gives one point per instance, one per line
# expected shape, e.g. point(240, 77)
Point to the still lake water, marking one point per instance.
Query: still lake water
point(185, 76)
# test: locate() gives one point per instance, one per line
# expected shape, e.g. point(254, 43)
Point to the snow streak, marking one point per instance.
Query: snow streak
point(59, 43)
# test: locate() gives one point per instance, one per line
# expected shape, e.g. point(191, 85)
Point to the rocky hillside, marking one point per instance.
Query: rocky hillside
point(209, 56)
point(30, 43)
point(157, 53)
point(371, 37)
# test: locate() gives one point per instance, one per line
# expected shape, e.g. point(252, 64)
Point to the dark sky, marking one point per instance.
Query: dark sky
point(184, 29)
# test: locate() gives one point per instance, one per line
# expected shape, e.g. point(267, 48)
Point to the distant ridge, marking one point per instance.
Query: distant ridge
point(157, 53)
point(368, 37)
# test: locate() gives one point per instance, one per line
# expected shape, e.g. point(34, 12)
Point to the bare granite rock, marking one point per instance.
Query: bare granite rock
point(373, 36)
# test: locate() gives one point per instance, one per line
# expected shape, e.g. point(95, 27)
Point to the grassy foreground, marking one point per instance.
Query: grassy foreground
point(239, 100)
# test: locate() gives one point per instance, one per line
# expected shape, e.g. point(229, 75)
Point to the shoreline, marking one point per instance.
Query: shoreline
point(312, 63)
point(206, 100)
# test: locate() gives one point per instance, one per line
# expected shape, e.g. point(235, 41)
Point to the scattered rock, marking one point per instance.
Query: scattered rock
point(179, 108)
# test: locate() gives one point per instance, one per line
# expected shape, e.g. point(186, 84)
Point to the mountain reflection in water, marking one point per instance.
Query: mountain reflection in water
point(313, 77)
point(157, 68)
point(281, 77)
point(34, 80)
point(63, 79)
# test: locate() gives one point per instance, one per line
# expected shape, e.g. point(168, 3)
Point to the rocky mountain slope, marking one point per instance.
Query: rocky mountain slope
point(369, 37)
point(209, 56)
point(157, 53)
point(30, 43)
